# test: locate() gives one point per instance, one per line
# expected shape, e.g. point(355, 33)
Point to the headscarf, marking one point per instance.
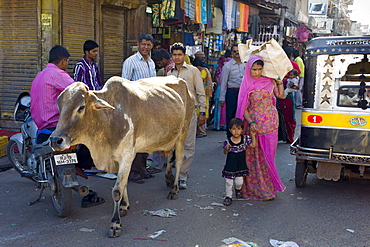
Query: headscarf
point(249, 83)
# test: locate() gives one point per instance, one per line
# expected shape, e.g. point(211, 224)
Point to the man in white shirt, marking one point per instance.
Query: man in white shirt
point(136, 67)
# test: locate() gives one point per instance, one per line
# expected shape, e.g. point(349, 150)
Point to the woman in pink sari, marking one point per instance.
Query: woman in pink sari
point(256, 105)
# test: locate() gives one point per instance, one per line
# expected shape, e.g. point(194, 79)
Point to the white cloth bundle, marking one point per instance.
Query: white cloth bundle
point(277, 64)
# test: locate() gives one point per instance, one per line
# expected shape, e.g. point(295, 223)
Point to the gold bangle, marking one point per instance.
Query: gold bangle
point(279, 84)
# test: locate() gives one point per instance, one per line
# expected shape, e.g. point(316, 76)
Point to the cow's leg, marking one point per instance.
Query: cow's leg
point(169, 176)
point(119, 194)
point(179, 149)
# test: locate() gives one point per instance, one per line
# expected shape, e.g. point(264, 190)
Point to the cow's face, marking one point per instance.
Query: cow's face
point(77, 106)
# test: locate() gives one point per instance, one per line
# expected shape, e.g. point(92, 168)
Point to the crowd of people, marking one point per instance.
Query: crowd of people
point(255, 111)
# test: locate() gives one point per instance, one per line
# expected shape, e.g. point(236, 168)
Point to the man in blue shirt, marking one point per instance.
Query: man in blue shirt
point(136, 67)
point(140, 65)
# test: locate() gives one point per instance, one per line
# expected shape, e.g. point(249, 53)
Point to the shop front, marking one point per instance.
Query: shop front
point(20, 48)
point(30, 28)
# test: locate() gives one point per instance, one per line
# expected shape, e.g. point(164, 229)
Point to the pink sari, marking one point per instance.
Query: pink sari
point(257, 95)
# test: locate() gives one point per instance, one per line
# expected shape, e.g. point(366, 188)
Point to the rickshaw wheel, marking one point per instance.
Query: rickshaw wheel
point(301, 171)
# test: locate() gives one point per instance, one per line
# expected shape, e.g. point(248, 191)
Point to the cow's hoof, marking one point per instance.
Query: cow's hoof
point(115, 230)
point(172, 196)
point(123, 212)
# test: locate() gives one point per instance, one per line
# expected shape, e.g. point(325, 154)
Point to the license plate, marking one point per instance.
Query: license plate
point(65, 159)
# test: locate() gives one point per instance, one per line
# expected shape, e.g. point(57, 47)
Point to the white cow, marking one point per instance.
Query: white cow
point(122, 119)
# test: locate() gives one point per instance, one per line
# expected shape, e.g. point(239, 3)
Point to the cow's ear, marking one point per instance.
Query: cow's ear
point(101, 104)
point(97, 103)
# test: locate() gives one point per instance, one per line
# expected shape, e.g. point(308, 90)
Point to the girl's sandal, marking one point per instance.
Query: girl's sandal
point(228, 201)
point(238, 193)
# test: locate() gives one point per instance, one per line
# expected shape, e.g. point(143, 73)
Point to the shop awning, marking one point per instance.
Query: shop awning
point(266, 4)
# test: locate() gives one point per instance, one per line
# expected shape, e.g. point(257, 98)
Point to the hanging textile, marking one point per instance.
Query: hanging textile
point(188, 39)
point(198, 11)
point(243, 15)
point(238, 16)
point(302, 33)
point(217, 22)
point(157, 22)
point(203, 11)
point(168, 9)
point(209, 13)
point(175, 14)
point(189, 7)
point(254, 21)
point(227, 9)
point(246, 14)
point(233, 12)
point(243, 19)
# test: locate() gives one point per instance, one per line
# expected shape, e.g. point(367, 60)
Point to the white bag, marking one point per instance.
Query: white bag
point(277, 64)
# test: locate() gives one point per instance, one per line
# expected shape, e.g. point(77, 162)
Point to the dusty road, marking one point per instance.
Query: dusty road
point(317, 215)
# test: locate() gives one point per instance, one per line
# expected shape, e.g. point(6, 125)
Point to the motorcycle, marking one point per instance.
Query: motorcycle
point(39, 163)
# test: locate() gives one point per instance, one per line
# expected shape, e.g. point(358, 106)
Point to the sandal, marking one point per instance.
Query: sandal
point(91, 200)
point(238, 193)
point(148, 176)
point(228, 201)
point(137, 180)
point(153, 170)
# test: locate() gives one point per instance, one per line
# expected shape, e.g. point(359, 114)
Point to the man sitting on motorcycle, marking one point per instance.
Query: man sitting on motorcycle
point(45, 89)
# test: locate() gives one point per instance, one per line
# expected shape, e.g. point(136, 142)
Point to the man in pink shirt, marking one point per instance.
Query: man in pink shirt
point(47, 86)
point(45, 89)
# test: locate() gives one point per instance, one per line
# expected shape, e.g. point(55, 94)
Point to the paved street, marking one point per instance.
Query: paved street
point(317, 215)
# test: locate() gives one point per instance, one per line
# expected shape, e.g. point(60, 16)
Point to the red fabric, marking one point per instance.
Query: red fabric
point(8, 133)
point(246, 12)
point(287, 108)
point(295, 66)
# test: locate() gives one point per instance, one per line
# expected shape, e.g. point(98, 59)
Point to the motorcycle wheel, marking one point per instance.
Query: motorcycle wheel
point(61, 197)
point(15, 159)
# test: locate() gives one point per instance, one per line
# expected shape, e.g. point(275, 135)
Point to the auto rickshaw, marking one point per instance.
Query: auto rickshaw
point(334, 139)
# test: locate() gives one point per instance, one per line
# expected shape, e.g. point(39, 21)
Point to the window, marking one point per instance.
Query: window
point(348, 95)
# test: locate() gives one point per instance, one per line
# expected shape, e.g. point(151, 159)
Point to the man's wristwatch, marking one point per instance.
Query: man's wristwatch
point(202, 113)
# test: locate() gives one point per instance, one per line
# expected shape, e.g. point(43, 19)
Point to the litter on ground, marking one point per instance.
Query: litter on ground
point(166, 213)
point(235, 242)
point(83, 229)
point(156, 234)
point(277, 243)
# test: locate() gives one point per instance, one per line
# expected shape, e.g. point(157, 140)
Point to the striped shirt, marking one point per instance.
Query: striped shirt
point(88, 73)
point(45, 89)
point(135, 68)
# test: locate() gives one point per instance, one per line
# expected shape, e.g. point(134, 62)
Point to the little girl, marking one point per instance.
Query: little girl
point(236, 166)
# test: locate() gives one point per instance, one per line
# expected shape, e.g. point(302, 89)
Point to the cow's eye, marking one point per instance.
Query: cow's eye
point(80, 109)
